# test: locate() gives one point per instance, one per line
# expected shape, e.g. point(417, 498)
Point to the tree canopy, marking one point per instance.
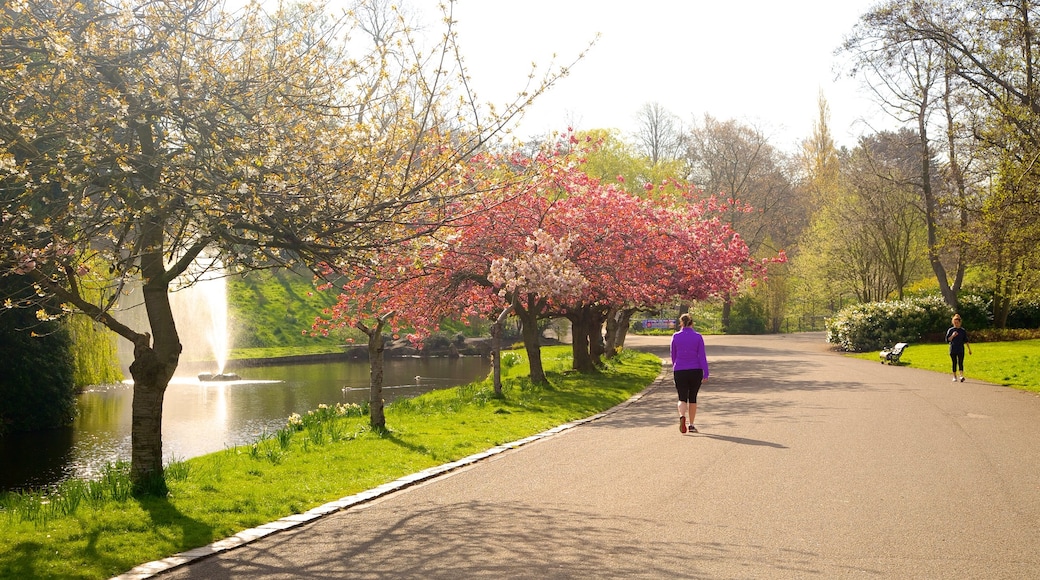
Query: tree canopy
point(145, 135)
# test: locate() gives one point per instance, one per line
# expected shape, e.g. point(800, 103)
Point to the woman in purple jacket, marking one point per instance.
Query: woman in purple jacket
point(689, 368)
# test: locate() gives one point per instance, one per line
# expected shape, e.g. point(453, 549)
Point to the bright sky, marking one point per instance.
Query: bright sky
point(762, 62)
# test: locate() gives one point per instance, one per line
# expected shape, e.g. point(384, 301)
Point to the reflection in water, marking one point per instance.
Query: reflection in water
point(200, 418)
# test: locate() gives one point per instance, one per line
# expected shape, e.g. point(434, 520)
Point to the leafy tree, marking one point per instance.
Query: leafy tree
point(559, 244)
point(36, 386)
point(881, 173)
point(869, 233)
point(147, 135)
point(810, 286)
point(736, 162)
point(988, 52)
point(605, 156)
point(912, 78)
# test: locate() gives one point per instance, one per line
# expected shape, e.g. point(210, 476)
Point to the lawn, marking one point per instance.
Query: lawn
point(1013, 364)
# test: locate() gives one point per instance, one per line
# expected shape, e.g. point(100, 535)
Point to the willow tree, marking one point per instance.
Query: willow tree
point(143, 135)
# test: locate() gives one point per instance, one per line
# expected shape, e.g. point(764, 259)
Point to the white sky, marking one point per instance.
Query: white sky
point(763, 62)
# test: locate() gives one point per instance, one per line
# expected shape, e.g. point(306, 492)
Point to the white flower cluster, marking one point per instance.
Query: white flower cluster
point(295, 421)
point(543, 269)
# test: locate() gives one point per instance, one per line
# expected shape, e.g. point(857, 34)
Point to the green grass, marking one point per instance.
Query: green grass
point(277, 308)
point(284, 351)
point(95, 530)
point(1013, 364)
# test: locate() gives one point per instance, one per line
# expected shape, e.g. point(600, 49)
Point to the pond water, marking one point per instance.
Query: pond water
point(204, 417)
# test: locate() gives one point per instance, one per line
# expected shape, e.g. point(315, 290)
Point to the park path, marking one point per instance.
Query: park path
point(808, 465)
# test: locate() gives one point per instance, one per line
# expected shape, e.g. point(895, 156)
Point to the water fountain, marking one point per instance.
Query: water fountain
point(201, 311)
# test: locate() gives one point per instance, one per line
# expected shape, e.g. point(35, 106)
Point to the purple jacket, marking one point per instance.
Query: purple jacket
point(688, 351)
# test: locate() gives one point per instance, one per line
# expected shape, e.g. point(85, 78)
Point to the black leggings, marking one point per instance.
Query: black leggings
point(688, 384)
point(957, 358)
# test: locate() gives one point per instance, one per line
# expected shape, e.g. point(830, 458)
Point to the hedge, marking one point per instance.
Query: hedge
point(879, 325)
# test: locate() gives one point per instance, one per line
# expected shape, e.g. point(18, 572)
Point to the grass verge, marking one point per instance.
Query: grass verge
point(272, 352)
point(1012, 364)
point(96, 529)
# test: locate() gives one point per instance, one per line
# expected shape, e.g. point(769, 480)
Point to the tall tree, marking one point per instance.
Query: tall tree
point(737, 162)
point(146, 135)
point(659, 134)
point(911, 77)
point(882, 175)
point(820, 184)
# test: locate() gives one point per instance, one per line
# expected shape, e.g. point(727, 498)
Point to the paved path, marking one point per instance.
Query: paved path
point(809, 465)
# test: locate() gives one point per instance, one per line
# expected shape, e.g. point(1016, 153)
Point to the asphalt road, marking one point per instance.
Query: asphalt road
point(808, 465)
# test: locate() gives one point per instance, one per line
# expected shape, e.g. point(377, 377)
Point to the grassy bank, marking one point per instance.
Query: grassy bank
point(97, 530)
point(1013, 364)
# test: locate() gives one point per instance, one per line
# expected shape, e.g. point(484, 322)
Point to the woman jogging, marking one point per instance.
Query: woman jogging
point(958, 339)
point(689, 368)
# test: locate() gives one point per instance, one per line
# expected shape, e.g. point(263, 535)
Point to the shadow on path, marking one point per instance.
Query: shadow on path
point(507, 539)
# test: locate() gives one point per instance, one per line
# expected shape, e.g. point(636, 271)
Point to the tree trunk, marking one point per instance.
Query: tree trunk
point(496, 349)
point(527, 311)
point(581, 324)
point(1004, 286)
point(931, 210)
point(624, 322)
point(376, 346)
point(597, 348)
point(611, 347)
point(152, 369)
point(151, 377)
point(533, 345)
point(377, 415)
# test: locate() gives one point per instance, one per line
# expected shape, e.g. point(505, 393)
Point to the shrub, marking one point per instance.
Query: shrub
point(976, 310)
point(1024, 314)
point(748, 316)
point(436, 342)
point(876, 325)
point(1003, 334)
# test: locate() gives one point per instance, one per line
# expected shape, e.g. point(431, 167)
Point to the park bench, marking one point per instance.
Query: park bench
point(891, 355)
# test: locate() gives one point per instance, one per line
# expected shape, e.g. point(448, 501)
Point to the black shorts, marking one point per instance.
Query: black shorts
point(688, 384)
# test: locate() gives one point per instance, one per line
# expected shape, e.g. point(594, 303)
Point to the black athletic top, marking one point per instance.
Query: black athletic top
point(957, 337)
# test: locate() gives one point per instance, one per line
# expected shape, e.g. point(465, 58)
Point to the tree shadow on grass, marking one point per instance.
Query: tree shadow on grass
point(23, 561)
point(170, 524)
point(173, 530)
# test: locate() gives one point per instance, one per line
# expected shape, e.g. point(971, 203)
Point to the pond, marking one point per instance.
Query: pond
point(204, 417)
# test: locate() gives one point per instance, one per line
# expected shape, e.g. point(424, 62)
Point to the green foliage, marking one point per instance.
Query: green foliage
point(1025, 313)
point(94, 351)
point(438, 341)
point(324, 455)
point(747, 317)
point(1004, 334)
point(876, 325)
point(976, 310)
point(276, 308)
point(473, 326)
point(94, 354)
point(36, 389)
